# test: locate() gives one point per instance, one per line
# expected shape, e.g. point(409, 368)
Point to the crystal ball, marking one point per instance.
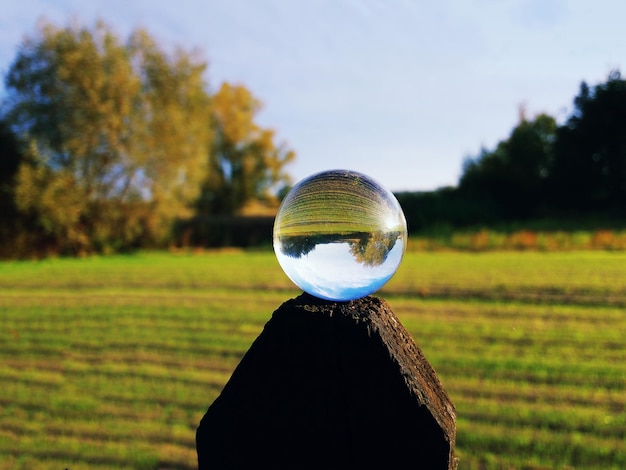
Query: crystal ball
point(339, 235)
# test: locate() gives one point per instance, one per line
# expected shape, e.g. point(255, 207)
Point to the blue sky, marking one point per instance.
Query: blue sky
point(400, 90)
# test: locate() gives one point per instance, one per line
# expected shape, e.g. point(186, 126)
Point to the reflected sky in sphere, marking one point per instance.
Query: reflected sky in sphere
point(339, 235)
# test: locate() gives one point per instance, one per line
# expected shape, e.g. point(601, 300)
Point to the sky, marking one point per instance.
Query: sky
point(401, 90)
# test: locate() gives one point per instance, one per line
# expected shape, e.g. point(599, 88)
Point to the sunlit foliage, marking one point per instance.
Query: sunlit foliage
point(245, 162)
point(120, 138)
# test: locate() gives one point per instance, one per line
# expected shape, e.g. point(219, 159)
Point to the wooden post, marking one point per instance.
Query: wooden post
point(330, 385)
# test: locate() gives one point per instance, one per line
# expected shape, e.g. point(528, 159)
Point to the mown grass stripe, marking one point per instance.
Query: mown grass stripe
point(581, 450)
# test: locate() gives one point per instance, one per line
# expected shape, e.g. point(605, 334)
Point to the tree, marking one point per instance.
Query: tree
point(116, 135)
point(514, 174)
point(589, 170)
point(10, 159)
point(244, 163)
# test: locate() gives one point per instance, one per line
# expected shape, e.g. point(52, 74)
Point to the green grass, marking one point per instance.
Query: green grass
point(111, 362)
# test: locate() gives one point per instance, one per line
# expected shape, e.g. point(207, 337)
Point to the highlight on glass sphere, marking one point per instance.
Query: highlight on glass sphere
point(339, 235)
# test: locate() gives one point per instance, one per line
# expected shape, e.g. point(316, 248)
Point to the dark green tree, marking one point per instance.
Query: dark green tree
point(589, 168)
point(11, 223)
point(513, 175)
point(10, 159)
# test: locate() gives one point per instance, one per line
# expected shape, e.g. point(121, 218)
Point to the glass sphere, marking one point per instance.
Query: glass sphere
point(339, 235)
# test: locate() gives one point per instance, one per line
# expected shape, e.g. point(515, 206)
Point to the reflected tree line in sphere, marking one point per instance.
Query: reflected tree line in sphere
point(368, 248)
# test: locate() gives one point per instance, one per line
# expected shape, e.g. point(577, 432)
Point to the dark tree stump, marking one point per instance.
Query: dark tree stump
point(330, 385)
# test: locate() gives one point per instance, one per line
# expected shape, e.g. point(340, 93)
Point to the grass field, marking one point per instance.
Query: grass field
point(109, 363)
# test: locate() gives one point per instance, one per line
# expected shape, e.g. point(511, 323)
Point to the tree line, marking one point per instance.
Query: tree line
point(567, 176)
point(106, 144)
